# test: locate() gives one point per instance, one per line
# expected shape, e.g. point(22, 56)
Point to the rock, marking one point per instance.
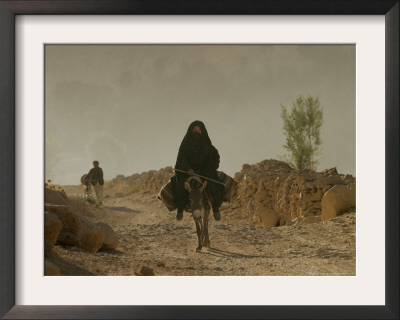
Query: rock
point(287, 193)
point(304, 220)
point(52, 229)
point(316, 195)
point(311, 219)
point(333, 180)
point(111, 241)
point(71, 228)
point(57, 202)
point(50, 269)
point(145, 271)
point(57, 208)
point(330, 171)
point(55, 197)
point(250, 204)
point(91, 237)
point(269, 218)
point(69, 240)
point(144, 183)
point(337, 200)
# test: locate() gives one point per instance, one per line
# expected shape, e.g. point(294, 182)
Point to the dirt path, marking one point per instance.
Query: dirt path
point(151, 237)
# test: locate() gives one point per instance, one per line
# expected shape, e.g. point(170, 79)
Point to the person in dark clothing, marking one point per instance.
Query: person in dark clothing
point(95, 177)
point(197, 155)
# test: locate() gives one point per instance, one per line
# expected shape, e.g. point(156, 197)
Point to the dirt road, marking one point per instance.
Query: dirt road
point(151, 237)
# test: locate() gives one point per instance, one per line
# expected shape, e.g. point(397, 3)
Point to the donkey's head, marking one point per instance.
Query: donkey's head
point(195, 187)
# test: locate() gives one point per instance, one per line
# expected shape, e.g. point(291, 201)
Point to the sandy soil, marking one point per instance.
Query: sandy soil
point(150, 236)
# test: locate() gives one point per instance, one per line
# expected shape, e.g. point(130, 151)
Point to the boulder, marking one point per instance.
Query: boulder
point(57, 202)
point(269, 217)
point(71, 227)
point(111, 241)
point(145, 271)
point(52, 229)
point(91, 237)
point(338, 200)
point(68, 239)
point(50, 269)
point(57, 208)
point(55, 197)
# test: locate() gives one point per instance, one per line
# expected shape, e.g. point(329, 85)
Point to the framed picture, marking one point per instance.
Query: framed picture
point(49, 41)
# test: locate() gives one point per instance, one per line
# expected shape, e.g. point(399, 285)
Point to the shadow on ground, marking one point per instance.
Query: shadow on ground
point(122, 209)
point(218, 252)
point(68, 268)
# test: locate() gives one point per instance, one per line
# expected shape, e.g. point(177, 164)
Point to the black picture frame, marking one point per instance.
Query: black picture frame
point(8, 11)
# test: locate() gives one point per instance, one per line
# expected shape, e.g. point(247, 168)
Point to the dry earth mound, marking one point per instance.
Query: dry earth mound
point(273, 194)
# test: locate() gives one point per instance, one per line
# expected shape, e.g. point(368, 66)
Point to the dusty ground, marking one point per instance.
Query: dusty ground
point(150, 236)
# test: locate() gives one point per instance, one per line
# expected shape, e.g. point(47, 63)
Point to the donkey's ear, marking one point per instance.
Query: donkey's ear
point(204, 185)
point(187, 186)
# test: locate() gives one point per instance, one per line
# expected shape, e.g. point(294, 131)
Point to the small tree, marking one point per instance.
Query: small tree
point(302, 127)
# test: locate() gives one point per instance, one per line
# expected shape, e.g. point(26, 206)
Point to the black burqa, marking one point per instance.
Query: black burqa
point(196, 152)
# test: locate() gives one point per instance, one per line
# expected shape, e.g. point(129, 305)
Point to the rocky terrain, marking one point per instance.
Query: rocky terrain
point(271, 193)
point(279, 222)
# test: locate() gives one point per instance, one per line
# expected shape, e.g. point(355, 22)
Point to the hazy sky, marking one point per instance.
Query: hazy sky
point(129, 106)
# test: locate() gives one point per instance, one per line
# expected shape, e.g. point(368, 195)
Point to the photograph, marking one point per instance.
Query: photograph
point(199, 160)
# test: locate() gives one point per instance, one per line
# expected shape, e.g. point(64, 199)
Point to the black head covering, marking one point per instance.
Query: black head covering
point(205, 139)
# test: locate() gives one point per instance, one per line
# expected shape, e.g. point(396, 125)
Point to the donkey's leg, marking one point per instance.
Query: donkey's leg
point(206, 241)
point(199, 235)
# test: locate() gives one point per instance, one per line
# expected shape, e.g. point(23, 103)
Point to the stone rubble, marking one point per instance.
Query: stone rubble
point(270, 193)
point(273, 194)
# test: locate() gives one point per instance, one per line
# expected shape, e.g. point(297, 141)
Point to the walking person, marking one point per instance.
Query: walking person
point(95, 177)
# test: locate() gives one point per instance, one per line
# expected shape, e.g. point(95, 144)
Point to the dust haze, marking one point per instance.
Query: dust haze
point(129, 106)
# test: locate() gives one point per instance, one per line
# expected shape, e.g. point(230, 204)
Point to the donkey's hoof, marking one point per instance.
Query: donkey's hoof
point(198, 249)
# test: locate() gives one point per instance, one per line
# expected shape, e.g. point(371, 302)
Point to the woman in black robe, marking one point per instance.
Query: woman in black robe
point(197, 155)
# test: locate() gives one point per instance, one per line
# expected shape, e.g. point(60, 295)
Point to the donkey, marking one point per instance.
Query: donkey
point(199, 205)
point(86, 183)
